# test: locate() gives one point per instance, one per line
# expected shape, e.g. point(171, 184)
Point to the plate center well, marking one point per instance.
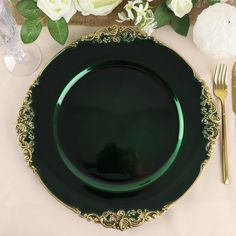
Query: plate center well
point(118, 126)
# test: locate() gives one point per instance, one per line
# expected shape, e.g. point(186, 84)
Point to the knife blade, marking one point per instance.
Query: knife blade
point(234, 87)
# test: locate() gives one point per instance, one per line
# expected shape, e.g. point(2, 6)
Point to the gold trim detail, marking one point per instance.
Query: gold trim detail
point(25, 128)
point(112, 34)
point(210, 120)
point(121, 219)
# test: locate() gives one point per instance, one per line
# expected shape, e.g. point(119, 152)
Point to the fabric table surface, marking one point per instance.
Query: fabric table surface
point(26, 209)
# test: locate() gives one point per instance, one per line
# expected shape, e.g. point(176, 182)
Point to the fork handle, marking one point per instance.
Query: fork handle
point(224, 147)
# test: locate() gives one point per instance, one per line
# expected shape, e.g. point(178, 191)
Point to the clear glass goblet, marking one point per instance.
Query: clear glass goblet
point(20, 59)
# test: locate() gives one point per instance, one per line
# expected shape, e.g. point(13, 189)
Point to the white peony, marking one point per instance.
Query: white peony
point(180, 7)
point(56, 9)
point(96, 7)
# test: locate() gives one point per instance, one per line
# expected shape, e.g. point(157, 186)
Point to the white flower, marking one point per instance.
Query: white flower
point(96, 7)
point(56, 9)
point(149, 28)
point(130, 7)
point(180, 7)
point(148, 23)
point(140, 11)
point(122, 17)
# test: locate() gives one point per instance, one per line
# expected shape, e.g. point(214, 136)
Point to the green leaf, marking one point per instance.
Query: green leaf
point(180, 25)
point(30, 30)
point(162, 15)
point(58, 30)
point(194, 1)
point(29, 9)
point(212, 2)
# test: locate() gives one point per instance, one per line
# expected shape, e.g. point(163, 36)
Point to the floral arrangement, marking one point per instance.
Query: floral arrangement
point(144, 14)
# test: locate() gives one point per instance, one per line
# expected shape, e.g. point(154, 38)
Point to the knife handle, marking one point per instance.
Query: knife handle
point(224, 147)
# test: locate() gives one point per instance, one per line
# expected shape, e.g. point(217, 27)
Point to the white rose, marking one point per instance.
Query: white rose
point(180, 7)
point(56, 9)
point(96, 7)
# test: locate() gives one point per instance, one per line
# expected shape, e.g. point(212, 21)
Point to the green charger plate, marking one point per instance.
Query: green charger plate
point(118, 127)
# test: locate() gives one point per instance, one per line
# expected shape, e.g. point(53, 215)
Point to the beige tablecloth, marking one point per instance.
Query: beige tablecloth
point(26, 209)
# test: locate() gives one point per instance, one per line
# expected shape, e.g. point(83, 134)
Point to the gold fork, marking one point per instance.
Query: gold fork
point(220, 91)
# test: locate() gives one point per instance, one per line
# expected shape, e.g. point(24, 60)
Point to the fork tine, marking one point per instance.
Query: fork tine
point(221, 76)
point(218, 82)
point(225, 76)
point(216, 75)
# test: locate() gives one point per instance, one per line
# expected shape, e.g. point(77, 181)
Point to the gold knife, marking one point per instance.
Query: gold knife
point(234, 87)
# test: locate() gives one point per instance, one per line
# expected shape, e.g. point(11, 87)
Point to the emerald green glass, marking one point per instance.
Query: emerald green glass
point(116, 165)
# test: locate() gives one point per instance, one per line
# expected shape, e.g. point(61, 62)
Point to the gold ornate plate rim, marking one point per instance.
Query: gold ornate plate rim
point(121, 219)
